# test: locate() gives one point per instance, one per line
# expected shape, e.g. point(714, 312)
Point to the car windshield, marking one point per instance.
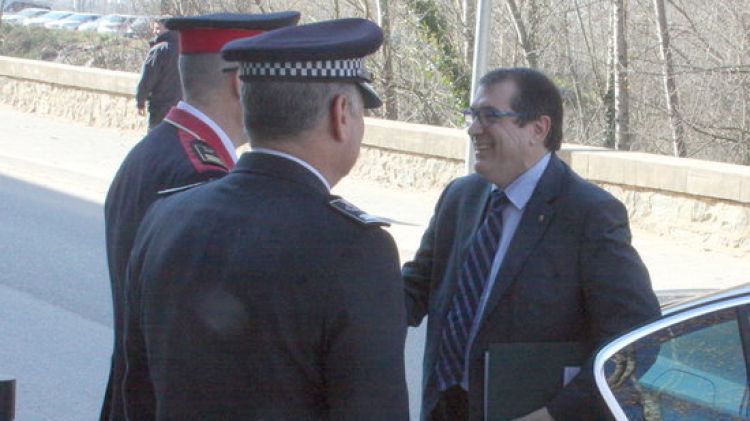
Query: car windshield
point(81, 18)
point(55, 15)
point(30, 12)
point(113, 19)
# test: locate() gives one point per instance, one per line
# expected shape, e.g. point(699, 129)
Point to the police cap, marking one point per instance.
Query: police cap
point(332, 50)
point(208, 33)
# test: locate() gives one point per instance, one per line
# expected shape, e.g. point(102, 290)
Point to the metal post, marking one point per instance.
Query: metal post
point(479, 67)
point(7, 399)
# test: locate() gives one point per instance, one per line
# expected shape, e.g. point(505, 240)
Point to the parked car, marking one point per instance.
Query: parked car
point(90, 26)
point(47, 17)
point(73, 21)
point(114, 24)
point(21, 16)
point(15, 6)
point(139, 27)
point(690, 364)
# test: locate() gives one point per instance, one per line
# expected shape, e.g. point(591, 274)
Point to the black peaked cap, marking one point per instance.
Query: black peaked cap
point(260, 21)
point(328, 40)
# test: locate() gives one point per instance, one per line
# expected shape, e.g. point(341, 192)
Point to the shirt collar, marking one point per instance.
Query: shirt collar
point(520, 190)
point(228, 145)
point(295, 159)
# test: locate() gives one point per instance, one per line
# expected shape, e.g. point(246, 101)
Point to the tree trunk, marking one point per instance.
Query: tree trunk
point(336, 9)
point(391, 102)
point(574, 78)
point(608, 98)
point(670, 86)
point(622, 96)
point(469, 11)
point(523, 38)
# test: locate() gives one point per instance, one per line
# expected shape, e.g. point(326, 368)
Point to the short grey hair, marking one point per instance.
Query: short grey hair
point(285, 109)
point(202, 76)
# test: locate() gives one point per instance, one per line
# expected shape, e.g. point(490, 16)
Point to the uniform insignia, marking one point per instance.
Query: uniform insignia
point(167, 192)
point(207, 154)
point(356, 213)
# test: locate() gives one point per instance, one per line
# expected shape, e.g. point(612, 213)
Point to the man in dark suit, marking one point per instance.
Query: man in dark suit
point(260, 296)
point(195, 142)
point(523, 251)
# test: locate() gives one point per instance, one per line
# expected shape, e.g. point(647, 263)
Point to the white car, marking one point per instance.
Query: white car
point(47, 17)
point(73, 21)
point(22, 15)
point(90, 26)
point(114, 24)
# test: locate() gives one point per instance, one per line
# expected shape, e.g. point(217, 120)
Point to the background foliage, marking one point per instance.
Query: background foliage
point(424, 70)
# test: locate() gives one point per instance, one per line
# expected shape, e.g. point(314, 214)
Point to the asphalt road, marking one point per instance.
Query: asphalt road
point(55, 311)
point(55, 304)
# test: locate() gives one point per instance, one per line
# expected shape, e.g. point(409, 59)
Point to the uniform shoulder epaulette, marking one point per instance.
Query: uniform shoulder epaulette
point(173, 190)
point(207, 154)
point(357, 214)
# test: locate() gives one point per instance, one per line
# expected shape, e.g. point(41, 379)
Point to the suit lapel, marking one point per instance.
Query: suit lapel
point(539, 212)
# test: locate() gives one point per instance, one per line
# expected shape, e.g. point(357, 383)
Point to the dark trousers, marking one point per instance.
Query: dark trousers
point(452, 406)
point(156, 115)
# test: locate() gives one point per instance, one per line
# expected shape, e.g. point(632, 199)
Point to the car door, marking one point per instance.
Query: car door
point(690, 365)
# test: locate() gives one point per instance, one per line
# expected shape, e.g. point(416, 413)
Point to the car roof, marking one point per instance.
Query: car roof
point(719, 295)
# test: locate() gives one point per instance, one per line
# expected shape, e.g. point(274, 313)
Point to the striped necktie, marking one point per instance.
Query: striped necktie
point(471, 282)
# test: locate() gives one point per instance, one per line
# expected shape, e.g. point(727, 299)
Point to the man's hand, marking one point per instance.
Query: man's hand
point(539, 415)
point(141, 111)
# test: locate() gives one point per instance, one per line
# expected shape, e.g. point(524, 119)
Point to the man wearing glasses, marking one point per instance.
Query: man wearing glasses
point(524, 251)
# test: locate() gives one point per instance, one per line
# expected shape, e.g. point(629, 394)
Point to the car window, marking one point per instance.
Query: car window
point(693, 370)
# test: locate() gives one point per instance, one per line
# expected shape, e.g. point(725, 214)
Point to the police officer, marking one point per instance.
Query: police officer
point(195, 142)
point(261, 295)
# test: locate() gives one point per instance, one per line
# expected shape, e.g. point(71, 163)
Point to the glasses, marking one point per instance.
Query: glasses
point(486, 116)
point(229, 69)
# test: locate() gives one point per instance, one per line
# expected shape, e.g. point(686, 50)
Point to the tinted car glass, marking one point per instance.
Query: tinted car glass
point(693, 370)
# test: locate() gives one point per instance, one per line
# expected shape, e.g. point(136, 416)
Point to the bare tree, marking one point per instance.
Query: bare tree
point(670, 86)
point(384, 20)
point(622, 92)
point(608, 98)
point(523, 37)
point(2, 9)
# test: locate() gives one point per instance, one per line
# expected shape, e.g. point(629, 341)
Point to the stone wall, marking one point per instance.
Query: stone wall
point(90, 107)
point(685, 199)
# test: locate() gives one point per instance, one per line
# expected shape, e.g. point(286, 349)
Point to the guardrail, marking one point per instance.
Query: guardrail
point(684, 198)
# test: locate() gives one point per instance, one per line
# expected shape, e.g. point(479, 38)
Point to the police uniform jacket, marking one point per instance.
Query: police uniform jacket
point(254, 298)
point(181, 150)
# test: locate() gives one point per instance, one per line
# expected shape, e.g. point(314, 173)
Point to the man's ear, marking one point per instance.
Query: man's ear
point(541, 127)
point(236, 85)
point(339, 116)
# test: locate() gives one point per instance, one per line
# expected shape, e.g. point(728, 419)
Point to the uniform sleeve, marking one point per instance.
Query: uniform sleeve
point(417, 273)
point(149, 75)
point(617, 291)
point(365, 333)
point(137, 389)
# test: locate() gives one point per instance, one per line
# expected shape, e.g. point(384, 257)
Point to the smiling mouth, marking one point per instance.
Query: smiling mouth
point(481, 146)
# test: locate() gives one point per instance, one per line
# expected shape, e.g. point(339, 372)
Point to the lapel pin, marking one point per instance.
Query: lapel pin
point(541, 219)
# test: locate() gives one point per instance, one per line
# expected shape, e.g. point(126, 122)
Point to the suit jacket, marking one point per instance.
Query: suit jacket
point(180, 151)
point(252, 298)
point(570, 274)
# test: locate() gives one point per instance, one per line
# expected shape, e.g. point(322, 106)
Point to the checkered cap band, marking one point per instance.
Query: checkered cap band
point(322, 69)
